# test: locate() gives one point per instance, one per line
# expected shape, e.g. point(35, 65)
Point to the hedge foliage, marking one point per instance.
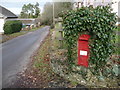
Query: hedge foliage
point(12, 26)
point(99, 23)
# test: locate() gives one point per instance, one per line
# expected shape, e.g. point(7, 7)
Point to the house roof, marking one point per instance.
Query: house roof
point(6, 13)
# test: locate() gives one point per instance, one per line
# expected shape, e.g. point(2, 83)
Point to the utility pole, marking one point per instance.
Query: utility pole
point(102, 1)
point(53, 15)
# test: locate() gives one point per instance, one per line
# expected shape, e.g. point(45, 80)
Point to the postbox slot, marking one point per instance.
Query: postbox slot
point(83, 40)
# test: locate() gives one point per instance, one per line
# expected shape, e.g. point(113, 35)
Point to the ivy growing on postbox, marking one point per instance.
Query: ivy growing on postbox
point(97, 22)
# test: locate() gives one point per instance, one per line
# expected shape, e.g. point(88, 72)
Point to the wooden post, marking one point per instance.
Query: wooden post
point(61, 35)
point(59, 20)
point(53, 15)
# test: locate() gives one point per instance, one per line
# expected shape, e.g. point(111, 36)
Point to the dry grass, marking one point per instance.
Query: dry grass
point(39, 73)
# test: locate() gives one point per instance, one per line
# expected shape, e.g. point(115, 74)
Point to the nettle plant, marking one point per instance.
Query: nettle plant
point(99, 23)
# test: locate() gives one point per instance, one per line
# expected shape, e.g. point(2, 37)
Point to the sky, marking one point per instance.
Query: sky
point(15, 6)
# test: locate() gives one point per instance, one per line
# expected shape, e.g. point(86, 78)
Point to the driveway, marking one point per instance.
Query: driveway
point(16, 53)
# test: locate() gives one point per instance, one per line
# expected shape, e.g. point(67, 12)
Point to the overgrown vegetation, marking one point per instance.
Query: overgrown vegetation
point(12, 27)
point(79, 74)
point(99, 23)
point(47, 15)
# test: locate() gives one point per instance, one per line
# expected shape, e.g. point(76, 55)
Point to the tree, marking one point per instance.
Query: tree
point(62, 6)
point(30, 11)
point(47, 15)
point(37, 10)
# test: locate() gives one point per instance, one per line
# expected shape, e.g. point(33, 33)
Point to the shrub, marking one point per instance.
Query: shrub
point(98, 22)
point(12, 26)
point(46, 21)
point(52, 26)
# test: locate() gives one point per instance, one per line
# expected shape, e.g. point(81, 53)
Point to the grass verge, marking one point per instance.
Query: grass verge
point(39, 73)
point(42, 56)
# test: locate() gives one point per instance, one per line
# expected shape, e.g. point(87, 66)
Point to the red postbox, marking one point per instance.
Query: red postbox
point(83, 50)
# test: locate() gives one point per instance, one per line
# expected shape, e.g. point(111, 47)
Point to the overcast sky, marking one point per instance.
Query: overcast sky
point(16, 5)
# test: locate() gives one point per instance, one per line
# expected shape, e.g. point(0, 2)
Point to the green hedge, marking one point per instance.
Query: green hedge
point(12, 26)
point(99, 23)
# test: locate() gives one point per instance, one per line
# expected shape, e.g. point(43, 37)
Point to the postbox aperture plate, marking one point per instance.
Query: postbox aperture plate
point(83, 52)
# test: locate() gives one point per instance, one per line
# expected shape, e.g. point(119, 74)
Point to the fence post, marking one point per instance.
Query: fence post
point(59, 20)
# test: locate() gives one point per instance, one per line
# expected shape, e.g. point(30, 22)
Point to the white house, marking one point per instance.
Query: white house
point(115, 4)
point(5, 14)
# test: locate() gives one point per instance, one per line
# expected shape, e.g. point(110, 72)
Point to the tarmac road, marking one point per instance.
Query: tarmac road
point(16, 54)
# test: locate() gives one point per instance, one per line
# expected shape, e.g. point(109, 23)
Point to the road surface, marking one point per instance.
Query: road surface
point(16, 53)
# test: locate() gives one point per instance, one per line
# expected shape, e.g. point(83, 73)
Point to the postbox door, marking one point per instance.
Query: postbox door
point(83, 51)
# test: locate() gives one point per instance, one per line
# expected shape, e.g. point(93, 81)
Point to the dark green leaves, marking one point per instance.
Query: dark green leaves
point(99, 23)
